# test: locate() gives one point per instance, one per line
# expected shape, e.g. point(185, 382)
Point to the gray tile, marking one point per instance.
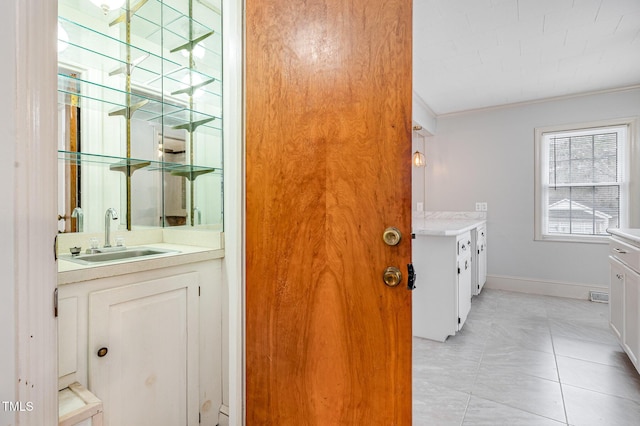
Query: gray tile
point(593, 330)
point(573, 309)
point(484, 412)
point(617, 381)
point(503, 360)
point(437, 405)
point(589, 408)
point(536, 338)
point(459, 375)
point(603, 353)
point(511, 359)
point(528, 393)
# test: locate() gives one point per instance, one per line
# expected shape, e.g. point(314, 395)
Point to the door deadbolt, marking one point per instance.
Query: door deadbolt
point(392, 236)
point(392, 276)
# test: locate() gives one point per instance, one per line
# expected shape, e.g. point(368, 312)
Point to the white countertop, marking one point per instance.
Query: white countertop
point(444, 227)
point(632, 234)
point(70, 272)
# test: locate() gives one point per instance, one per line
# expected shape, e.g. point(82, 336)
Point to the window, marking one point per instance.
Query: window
point(581, 181)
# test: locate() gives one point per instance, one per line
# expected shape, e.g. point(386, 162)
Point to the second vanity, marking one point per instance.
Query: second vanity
point(145, 333)
point(624, 290)
point(449, 257)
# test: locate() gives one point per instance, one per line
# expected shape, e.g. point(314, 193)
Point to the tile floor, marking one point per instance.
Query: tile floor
point(526, 360)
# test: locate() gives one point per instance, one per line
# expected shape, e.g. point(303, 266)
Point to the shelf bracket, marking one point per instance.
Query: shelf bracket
point(128, 68)
point(126, 17)
point(191, 89)
point(191, 127)
point(128, 166)
point(127, 112)
point(190, 45)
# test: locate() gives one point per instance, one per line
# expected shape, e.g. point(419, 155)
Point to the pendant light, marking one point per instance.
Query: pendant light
point(418, 159)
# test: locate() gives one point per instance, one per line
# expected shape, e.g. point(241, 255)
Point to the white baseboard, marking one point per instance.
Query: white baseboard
point(543, 287)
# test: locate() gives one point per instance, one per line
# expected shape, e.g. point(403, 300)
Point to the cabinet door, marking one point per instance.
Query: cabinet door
point(149, 376)
point(616, 298)
point(482, 258)
point(632, 315)
point(464, 290)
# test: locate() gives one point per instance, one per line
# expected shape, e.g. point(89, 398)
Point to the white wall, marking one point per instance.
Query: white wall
point(488, 155)
point(7, 177)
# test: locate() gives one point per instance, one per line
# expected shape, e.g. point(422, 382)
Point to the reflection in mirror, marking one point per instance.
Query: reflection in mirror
point(140, 115)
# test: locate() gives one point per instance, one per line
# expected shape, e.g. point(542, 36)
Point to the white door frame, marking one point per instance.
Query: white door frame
point(33, 198)
point(29, 170)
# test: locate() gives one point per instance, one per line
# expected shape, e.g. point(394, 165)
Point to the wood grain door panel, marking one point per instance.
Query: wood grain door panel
point(328, 138)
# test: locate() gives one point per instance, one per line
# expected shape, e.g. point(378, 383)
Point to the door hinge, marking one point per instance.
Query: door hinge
point(459, 320)
point(458, 271)
point(199, 291)
point(55, 303)
point(199, 417)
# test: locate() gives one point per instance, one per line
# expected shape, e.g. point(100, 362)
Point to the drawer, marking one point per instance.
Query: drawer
point(626, 253)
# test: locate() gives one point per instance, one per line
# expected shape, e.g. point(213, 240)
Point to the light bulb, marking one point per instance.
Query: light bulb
point(419, 159)
point(63, 38)
point(108, 5)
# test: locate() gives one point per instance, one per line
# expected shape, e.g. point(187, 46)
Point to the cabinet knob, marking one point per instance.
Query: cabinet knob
point(102, 352)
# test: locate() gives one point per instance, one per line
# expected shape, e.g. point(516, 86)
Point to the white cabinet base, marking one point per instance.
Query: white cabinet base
point(442, 297)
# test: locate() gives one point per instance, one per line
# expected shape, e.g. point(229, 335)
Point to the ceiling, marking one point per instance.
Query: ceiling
point(470, 54)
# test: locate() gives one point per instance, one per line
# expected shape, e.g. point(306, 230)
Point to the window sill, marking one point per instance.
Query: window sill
point(589, 239)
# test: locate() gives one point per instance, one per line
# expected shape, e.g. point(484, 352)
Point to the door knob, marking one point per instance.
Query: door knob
point(102, 352)
point(392, 276)
point(392, 236)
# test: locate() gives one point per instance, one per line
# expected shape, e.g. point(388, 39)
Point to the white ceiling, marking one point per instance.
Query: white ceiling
point(470, 54)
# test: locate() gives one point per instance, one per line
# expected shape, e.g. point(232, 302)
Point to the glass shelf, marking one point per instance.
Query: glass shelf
point(103, 98)
point(154, 24)
point(129, 165)
point(155, 72)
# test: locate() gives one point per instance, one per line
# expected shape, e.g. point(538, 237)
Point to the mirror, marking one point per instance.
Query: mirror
point(139, 110)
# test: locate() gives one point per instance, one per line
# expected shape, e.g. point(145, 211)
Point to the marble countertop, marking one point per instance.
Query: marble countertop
point(446, 223)
point(632, 234)
point(445, 227)
point(70, 272)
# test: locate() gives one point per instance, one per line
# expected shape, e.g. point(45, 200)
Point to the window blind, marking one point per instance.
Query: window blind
point(583, 182)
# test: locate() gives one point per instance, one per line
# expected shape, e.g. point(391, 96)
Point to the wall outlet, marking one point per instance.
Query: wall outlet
point(420, 207)
point(478, 207)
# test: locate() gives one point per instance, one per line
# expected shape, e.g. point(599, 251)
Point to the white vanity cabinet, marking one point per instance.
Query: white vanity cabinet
point(148, 344)
point(143, 351)
point(624, 291)
point(442, 298)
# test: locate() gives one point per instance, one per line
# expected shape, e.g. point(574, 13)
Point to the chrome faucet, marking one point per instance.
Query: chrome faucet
point(113, 214)
point(79, 215)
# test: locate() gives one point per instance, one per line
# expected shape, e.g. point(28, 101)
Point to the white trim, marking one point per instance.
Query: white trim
point(35, 204)
point(629, 163)
point(537, 101)
point(543, 287)
point(233, 127)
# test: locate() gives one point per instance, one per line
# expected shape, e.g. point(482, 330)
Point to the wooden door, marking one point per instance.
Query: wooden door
point(328, 155)
point(149, 375)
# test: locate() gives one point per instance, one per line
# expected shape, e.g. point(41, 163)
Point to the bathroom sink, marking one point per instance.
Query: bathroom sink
point(113, 256)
